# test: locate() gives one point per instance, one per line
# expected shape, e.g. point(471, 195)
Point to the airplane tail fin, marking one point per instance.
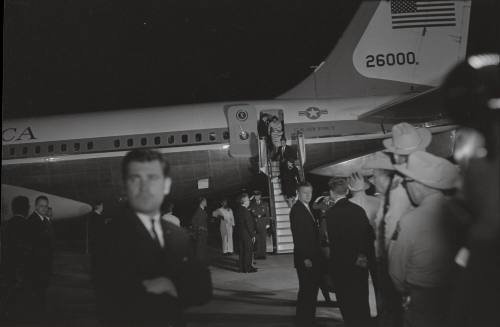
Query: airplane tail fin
point(391, 47)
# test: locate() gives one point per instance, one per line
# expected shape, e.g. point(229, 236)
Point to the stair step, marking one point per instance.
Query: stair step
point(283, 232)
point(285, 239)
point(283, 224)
point(281, 218)
point(280, 204)
point(282, 211)
point(279, 198)
point(285, 248)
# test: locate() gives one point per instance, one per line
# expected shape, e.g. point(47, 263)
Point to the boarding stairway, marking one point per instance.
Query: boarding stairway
point(280, 211)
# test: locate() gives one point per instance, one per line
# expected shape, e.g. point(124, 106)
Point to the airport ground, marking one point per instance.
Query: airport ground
point(265, 298)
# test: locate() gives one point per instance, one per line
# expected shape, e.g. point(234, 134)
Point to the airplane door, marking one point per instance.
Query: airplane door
point(243, 138)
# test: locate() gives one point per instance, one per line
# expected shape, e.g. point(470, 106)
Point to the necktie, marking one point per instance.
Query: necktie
point(156, 239)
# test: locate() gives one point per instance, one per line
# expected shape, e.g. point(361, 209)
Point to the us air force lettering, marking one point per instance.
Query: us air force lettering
point(378, 63)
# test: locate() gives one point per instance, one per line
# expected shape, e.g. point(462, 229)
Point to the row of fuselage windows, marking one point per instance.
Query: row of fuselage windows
point(118, 143)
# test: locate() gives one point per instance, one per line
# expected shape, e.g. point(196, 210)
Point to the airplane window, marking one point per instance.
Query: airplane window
point(117, 143)
point(63, 147)
point(225, 135)
point(25, 150)
point(76, 146)
point(184, 138)
point(37, 149)
point(198, 137)
point(144, 141)
point(130, 142)
point(157, 140)
point(171, 139)
point(12, 151)
point(90, 145)
point(212, 136)
point(51, 148)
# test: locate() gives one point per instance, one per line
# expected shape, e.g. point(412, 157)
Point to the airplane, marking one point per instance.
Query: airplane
point(384, 69)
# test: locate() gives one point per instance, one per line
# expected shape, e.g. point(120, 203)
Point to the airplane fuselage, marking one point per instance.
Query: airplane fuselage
point(78, 156)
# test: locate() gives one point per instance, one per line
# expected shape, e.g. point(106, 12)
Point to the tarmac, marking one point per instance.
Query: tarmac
point(264, 298)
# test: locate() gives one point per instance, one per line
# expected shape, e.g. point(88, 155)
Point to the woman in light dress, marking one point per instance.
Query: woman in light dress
point(225, 214)
point(276, 132)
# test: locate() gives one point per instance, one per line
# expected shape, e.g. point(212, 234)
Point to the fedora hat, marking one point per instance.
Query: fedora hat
point(430, 170)
point(407, 139)
point(378, 160)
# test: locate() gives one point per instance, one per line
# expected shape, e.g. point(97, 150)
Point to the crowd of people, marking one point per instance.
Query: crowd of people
point(425, 228)
point(429, 237)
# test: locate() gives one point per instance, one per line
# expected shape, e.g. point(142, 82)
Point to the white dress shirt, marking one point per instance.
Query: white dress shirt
point(146, 221)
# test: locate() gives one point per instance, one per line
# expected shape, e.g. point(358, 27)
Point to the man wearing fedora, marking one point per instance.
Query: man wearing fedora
point(421, 258)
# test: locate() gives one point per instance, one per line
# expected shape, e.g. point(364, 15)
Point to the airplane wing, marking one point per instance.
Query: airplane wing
point(424, 107)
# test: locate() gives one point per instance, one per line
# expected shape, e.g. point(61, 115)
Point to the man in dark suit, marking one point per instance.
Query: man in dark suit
point(200, 230)
point(286, 153)
point(306, 255)
point(15, 250)
point(247, 231)
point(352, 254)
point(41, 243)
point(148, 274)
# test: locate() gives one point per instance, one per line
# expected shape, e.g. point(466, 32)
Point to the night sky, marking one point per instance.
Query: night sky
point(67, 56)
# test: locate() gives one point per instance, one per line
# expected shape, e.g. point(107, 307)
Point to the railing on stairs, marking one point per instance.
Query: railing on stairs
point(280, 211)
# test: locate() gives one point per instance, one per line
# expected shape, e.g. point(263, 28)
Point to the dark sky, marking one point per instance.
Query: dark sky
point(65, 56)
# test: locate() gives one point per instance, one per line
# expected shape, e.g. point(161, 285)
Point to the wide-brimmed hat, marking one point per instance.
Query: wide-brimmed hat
point(407, 139)
point(378, 160)
point(430, 170)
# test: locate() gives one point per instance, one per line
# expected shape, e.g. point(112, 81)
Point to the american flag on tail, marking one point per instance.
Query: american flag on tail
point(430, 13)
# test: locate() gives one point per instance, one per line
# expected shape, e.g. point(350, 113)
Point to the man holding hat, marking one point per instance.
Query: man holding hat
point(260, 212)
point(421, 259)
point(405, 140)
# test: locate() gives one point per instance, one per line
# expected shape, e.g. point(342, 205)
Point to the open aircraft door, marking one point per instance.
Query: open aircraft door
point(243, 137)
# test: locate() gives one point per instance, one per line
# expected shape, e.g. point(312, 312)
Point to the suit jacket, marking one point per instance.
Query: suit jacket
point(289, 154)
point(350, 234)
point(199, 220)
point(130, 257)
point(15, 248)
point(262, 128)
point(41, 244)
point(246, 223)
point(305, 232)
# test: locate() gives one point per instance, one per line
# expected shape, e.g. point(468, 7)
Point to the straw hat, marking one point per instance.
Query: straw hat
point(430, 170)
point(378, 160)
point(407, 139)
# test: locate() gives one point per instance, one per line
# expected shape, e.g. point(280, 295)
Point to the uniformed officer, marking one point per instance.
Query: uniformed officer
point(260, 212)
